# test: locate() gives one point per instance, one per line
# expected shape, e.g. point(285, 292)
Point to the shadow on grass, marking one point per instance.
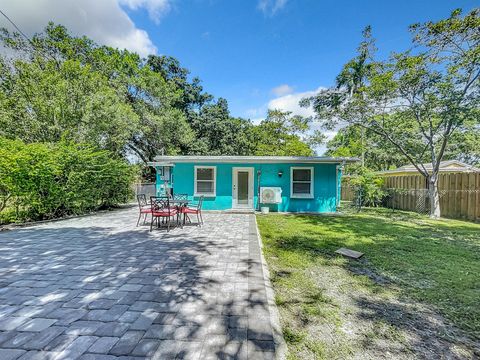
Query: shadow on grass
point(422, 261)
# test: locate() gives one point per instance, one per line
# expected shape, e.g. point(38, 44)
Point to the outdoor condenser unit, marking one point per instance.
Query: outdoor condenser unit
point(270, 195)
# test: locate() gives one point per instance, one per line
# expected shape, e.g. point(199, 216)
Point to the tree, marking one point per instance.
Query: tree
point(58, 86)
point(280, 134)
point(220, 134)
point(355, 72)
point(358, 142)
point(417, 100)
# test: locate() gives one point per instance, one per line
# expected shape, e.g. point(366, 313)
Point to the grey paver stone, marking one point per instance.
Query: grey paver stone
point(5, 335)
point(114, 313)
point(41, 339)
point(190, 332)
point(164, 332)
point(166, 350)
point(29, 311)
point(112, 329)
point(259, 328)
point(237, 334)
point(37, 324)
point(144, 321)
point(94, 315)
point(11, 354)
point(82, 327)
point(129, 316)
point(98, 357)
point(190, 350)
point(127, 343)
point(146, 347)
point(131, 287)
point(103, 345)
point(18, 340)
point(65, 316)
point(59, 343)
point(237, 350)
point(165, 318)
point(36, 355)
point(11, 323)
point(6, 310)
point(190, 292)
point(76, 348)
point(102, 304)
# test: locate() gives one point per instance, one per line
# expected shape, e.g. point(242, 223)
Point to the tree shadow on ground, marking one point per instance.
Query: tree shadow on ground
point(196, 292)
point(391, 246)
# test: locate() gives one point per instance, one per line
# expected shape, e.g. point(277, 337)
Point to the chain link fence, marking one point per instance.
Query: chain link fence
point(145, 188)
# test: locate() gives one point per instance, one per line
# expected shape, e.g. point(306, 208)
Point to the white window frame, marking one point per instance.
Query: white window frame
point(312, 178)
point(214, 193)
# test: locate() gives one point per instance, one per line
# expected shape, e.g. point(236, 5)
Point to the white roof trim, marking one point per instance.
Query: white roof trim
point(251, 159)
point(159, 163)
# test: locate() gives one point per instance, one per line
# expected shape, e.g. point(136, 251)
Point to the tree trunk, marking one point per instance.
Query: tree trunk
point(363, 146)
point(434, 196)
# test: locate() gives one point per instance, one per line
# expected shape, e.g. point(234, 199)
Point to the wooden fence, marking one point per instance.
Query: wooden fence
point(459, 194)
point(348, 192)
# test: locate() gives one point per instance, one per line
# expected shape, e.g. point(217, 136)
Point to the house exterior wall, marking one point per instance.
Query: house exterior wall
point(326, 185)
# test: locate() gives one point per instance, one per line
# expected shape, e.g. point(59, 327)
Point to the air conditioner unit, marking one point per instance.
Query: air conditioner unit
point(270, 195)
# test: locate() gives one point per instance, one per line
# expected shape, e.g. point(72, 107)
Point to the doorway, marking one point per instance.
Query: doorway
point(242, 188)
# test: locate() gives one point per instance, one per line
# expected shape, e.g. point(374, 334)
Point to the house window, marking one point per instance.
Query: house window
point(205, 179)
point(301, 182)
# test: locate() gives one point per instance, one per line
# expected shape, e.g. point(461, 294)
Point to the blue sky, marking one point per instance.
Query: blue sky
point(243, 52)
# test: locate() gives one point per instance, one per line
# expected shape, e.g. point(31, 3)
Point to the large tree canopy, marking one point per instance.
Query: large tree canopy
point(284, 134)
point(58, 86)
point(417, 100)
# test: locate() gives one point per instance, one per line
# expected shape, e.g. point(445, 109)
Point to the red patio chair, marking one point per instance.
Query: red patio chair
point(194, 210)
point(143, 207)
point(161, 209)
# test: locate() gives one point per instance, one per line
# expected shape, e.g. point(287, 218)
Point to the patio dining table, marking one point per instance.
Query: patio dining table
point(179, 203)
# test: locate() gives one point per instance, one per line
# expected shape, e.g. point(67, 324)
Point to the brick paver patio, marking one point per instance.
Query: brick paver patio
point(97, 287)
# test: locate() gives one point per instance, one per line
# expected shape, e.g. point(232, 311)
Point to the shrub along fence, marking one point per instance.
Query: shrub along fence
point(43, 180)
point(459, 194)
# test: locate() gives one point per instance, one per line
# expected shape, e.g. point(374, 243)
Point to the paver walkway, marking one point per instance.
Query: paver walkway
point(97, 287)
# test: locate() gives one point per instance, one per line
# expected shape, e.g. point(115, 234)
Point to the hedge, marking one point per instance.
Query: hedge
point(48, 180)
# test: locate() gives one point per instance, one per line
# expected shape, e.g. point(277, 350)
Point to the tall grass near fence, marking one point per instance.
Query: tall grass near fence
point(45, 180)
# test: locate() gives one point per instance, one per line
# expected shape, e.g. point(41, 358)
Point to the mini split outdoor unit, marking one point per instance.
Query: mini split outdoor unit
point(270, 195)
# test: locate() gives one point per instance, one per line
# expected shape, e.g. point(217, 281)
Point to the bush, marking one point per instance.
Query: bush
point(44, 181)
point(369, 188)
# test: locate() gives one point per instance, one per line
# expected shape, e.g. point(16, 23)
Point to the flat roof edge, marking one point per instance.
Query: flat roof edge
point(252, 159)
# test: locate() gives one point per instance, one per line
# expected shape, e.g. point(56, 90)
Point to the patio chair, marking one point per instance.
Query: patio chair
point(194, 210)
point(180, 196)
point(161, 209)
point(143, 207)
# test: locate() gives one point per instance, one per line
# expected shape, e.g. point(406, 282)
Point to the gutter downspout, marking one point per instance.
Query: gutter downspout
point(259, 174)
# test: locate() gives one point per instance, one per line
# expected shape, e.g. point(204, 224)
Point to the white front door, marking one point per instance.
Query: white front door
point(242, 188)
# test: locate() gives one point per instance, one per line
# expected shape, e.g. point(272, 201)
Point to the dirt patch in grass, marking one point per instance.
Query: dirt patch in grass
point(385, 306)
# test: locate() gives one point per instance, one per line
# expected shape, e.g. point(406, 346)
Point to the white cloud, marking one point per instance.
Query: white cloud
point(156, 8)
point(282, 90)
point(290, 102)
point(271, 7)
point(104, 21)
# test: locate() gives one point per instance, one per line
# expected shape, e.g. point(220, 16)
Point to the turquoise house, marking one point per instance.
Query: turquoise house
point(281, 183)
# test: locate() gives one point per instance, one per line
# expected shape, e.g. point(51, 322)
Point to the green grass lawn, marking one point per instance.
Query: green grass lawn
point(408, 259)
